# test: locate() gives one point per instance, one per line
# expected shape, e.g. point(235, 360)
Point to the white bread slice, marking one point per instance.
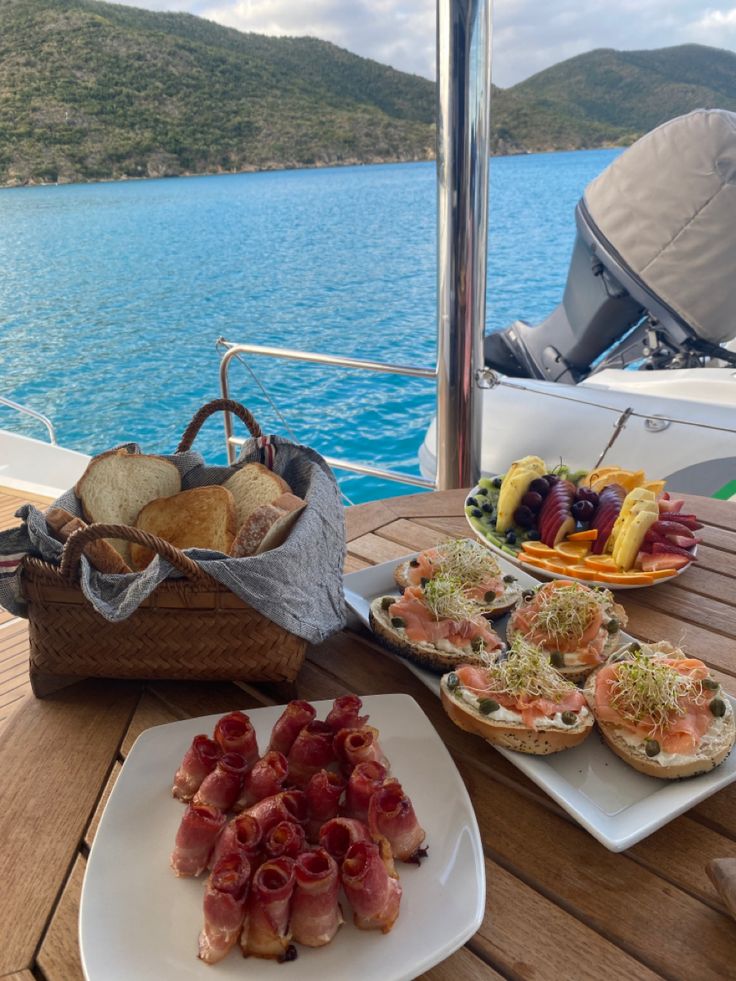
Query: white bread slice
point(252, 486)
point(536, 742)
point(101, 555)
point(268, 526)
point(203, 517)
point(117, 484)
point(716, 744)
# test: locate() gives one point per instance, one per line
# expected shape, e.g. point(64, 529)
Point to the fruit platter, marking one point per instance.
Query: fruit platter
point(608, 526)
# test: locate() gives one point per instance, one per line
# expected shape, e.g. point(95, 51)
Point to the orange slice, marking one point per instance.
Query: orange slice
point(583, 536)
point(663, 573)
point(544, 564)
point(582, 572)
point(627, 578)
point(656, 486)
point(603, 562)
point(539, 549)
point(572, 550)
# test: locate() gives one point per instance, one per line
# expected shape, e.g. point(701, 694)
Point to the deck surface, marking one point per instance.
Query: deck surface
point(559, 904)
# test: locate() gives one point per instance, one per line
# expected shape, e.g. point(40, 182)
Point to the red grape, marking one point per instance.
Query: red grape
point(532, 500)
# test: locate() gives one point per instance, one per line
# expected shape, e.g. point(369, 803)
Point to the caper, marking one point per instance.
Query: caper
point(528, 594)
point(569, 718)
point(452, 681)
point(651, 747)
point(488, 705)
point(556, 659)
point(718, 707)
point(711, 684)
point(477, 643)
point(490, 596)
point(414, 563)
point(508, 579)
point(424, 582)
point(612, 626)
point(387, 601)
point(477, 513)
point(497, 481)
point(398, 622)
point(634, 649)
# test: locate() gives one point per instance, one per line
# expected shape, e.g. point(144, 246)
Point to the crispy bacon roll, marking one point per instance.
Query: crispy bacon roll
point(243, 836)
point(234, 733)
point(222, 787)
point(364, 781)
point(199, 760)
point(391, 815)
point(344, 713)
point(289, 805)
point(354, 746)
point(266, 926)
point(373, 894)
point(312, 751)
point(200, 825)
point(225, 896)
point(284, 838)
point(323, 792)
point(340, 833)
point(315, 912)
point(264, 780)
point(295, 716)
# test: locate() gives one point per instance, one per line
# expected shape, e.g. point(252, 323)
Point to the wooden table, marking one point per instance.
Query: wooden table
point(559, 905)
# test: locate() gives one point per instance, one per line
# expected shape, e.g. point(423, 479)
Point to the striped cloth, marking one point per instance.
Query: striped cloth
point(298, 586)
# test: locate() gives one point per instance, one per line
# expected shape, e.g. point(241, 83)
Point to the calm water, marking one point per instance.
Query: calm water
point(112, 297)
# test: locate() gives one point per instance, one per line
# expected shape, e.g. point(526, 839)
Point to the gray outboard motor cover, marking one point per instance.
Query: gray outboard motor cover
point(668, 207)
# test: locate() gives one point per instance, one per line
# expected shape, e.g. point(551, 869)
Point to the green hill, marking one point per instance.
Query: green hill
point(93, 91)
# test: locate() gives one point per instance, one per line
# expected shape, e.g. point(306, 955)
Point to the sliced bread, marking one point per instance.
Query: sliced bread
point(101, 555)
point(268, 526)
point(203, 517)
point(117, 484)
point(252, 486)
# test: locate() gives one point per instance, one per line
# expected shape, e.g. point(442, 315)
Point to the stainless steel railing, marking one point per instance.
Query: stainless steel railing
point(233, 351)
point(24, 410)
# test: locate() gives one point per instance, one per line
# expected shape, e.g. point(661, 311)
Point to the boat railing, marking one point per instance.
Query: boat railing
point(236, 351)
point(25, 410)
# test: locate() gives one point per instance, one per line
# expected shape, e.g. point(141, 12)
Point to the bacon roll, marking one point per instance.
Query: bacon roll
point(243, 836)
point(234, 733)
point(289, 805)
point(284, 838)
point(364, 781)
point(312, 751)
point(295, 716)
point(344, 713)
point(373, 894)
point(391, 814)
point(221, 788)
point(266, 926)
point(354, 746)
point(199, 760)
point(200, 825)
point(264, 780)
point(340, 833)
point(324, 791)
point(315, 912)
point(225, 896)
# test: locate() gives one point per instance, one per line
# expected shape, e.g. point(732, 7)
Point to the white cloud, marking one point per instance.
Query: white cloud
point(529, 35)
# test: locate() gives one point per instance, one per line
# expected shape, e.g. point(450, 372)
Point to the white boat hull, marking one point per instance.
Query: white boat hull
point(36, 467)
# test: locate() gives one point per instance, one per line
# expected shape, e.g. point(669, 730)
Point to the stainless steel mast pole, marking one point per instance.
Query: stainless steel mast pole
point(463, 135)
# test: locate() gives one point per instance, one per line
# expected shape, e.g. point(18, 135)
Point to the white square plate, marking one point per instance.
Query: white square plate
point(138, 921)
point(615, 803)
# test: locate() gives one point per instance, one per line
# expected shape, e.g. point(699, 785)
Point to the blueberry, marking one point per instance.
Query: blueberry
point(511, 537)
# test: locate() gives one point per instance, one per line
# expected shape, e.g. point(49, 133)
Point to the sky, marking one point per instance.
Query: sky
point(529, 35)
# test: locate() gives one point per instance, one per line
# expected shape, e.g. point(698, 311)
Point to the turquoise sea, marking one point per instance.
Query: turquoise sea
point(112, 297)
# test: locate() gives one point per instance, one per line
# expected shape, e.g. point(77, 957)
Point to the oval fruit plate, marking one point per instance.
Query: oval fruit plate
point(610, 527)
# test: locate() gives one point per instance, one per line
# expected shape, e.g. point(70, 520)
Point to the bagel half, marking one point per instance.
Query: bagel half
point(536, 742)
point(426, 655)
point(716, 744)
point(500, 606)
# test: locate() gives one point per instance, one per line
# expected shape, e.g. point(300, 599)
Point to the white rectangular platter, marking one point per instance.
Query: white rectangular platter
point(138, 921)
point(617, 805)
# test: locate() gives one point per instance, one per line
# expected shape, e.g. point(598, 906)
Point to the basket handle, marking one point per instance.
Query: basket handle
point(217, 405)
point(76, 542)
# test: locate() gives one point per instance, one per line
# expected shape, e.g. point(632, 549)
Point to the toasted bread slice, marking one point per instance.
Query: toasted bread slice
point(426, 655)
point(101, 555)
point(715, 746)
point(117, 484)
point(252, 486)
point(512, 735)
point(500, 606)
point(268, 526)
point(203, 517)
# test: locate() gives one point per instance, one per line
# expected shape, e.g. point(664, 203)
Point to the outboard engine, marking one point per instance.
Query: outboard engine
point(652, 279)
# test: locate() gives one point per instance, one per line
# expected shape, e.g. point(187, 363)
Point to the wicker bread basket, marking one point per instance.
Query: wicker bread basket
point(188, 629)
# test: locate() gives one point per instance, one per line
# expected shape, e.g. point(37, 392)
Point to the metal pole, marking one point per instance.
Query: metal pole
point(463, 134)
